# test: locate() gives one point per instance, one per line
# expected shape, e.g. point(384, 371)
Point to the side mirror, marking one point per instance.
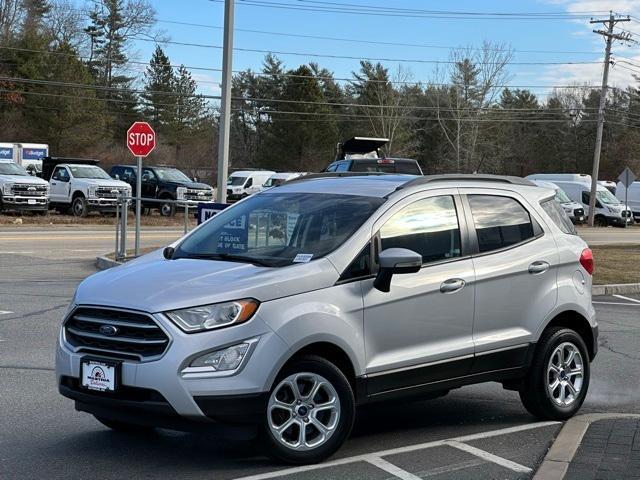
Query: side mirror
point(168, 253)
point(395, 261)
point(117, 177)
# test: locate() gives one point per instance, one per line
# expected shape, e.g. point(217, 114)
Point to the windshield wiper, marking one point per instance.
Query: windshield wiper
point(228, 257)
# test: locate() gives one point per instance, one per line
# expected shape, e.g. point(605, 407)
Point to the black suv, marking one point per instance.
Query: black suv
point(362, 154)
point(164, 183)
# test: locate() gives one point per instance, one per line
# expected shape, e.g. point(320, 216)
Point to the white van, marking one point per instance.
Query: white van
point(279, 178)
point(609, 210)
point(573, 209)
point(632, 197)
point(243, 183)
point(609, 185)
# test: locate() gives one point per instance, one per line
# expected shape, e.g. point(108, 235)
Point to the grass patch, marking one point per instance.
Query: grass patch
point(616, 264)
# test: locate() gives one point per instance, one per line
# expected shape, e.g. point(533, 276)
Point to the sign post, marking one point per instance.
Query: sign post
point(141, 140)
point(627, 177)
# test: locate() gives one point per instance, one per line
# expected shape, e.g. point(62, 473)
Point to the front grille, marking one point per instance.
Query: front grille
point(229, 192)
point(27, 190)
point(110, 192)
point(200, 195)
point(578, 212)
point(133, 336)
point(626, 213)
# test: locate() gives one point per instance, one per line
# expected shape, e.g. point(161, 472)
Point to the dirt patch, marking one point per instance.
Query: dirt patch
point(616, 264)
point(54, 218)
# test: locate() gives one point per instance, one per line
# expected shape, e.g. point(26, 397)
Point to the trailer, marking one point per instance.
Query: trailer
point(28, 155)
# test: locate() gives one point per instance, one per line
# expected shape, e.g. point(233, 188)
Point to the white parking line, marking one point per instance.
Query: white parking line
point(393, 451)
point(394, 470)
point(616, 303)
point(627, 298)
point(490, 457)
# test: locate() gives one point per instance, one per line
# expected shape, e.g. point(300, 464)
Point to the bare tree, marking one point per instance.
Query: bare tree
point(65, 24)
point(464, 91)
point(10, 13)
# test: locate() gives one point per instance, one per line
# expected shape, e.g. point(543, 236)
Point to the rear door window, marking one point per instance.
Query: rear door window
point(500, 222)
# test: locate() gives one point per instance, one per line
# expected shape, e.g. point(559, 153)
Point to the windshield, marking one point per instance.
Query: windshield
point(7, 168)
point(279, 229)
point(606, 197)
point(273, 182)
point(171, 175)
point(235, 181)
point(88, 171)
point(562, 197)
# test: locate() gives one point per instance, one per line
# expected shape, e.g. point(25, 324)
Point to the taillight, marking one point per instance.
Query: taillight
point(586, 260)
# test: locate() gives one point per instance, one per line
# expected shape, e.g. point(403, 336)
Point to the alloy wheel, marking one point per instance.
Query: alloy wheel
point(303, 411)
point(565, 374)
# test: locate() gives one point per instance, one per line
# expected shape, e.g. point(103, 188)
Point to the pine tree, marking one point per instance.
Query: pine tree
point(159, 82)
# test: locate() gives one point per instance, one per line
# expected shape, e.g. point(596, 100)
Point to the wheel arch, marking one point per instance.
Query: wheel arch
point(76, 194)
point(575, 321)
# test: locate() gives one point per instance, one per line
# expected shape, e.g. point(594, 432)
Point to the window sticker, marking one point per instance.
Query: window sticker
point(303, 258)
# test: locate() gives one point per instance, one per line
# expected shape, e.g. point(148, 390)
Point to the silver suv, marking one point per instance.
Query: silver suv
point(286, 311)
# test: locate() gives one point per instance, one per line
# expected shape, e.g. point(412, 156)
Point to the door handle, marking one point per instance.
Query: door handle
point(538, 267)
point(452, 285)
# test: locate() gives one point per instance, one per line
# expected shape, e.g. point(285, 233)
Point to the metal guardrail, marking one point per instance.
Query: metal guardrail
point(123, 204)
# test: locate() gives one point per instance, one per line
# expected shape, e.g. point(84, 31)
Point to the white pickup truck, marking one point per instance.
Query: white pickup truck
point(82, 186)
point(20, 191)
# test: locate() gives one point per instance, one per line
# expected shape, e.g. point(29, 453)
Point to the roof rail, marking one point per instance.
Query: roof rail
point(313, 176)
point(477, 177)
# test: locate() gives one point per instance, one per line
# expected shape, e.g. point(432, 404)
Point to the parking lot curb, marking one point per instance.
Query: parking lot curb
point(555, 464)
point(104, 263)
point(616, 289)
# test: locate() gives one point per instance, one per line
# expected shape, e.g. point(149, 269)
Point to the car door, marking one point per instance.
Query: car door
point(516, 264)
point(149, 183)
point(60, 185)
point(421, 330)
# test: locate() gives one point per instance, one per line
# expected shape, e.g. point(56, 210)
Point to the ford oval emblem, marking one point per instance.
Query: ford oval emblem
point(108, 330)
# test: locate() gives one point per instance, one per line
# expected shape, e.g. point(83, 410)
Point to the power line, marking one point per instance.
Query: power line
point(355, 40)
point(399, 13)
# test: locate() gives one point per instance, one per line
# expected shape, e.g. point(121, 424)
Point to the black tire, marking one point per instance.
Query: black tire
point(79, 207)
point(314, 365)
point(535, 394)
point(600, 221)
point(123, 426)
point(167, 209)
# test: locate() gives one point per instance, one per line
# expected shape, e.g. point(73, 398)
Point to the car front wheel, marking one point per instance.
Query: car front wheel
point(79, 207)
point(559, 376)
point(310, 412)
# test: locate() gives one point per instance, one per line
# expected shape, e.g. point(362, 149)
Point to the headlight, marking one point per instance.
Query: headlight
point(91, 191)
point(218, 315)
point(223, 360)
point(180, 191)
point(7, 188)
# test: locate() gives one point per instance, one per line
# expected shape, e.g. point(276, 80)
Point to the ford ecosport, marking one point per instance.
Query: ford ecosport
point(286, 311)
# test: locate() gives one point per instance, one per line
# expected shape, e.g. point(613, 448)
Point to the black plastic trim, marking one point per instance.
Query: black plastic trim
point(234, 409)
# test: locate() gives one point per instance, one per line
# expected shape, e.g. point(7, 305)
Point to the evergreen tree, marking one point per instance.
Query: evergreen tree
point(159, 81)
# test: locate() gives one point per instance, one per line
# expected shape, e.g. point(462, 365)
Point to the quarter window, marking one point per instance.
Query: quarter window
point(429, 227)
point(558, 215)
point(500, 222)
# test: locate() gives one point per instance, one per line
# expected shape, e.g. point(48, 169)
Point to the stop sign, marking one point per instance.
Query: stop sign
point(141, 139)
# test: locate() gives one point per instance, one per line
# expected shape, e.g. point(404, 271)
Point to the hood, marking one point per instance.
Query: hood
point(572, 205)
point(194, 185)
point(154, 284)
point(22, 179)
point(103, 182)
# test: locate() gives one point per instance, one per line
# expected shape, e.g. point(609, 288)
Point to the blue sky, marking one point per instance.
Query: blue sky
point(557, 35)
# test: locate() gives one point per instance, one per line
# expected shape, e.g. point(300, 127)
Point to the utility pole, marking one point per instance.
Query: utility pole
point(609, 36)
point(225, 103)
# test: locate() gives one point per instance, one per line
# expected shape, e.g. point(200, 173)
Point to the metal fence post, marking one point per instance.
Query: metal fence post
point(117, 249)
point(123, 229)
point(186, 218)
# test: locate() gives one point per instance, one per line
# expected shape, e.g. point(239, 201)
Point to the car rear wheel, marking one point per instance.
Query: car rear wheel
point(80, 207)
point(310, 412)
point(559, 376)
point(123, 426)
point(600, 221)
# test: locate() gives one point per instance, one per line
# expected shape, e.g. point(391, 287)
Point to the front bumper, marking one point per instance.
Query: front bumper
point(620, 221)
point(25, 203)
point(176, 400)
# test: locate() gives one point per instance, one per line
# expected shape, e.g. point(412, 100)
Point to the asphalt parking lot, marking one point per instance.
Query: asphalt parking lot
point(474, 432)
